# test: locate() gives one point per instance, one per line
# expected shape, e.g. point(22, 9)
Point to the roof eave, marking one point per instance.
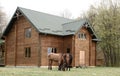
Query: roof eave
point(27, 19)
point(97, 40)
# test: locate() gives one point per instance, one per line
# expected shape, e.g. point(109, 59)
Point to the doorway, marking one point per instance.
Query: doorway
point(82, 58)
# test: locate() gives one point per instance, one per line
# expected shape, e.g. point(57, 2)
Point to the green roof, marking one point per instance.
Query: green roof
point(45, 23)
point(72, 27)
point(49, 24)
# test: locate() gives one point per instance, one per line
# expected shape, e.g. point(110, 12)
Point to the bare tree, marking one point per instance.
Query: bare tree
point(66, 14)
point(2, 25)
point(2, 20)
point(106, 21)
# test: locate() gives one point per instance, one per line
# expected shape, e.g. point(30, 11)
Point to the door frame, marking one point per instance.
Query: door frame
point(81, 54)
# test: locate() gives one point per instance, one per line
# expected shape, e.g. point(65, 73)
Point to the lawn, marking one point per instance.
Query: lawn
point(96, 71)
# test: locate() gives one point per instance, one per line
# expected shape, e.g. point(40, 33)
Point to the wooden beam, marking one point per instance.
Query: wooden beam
point(39, 50)
point(90, 46)
point(95, 52)
point(5, 60)
point(73, 50)
point(16, 43)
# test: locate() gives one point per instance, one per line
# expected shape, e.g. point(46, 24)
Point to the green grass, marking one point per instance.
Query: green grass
point(97, 71)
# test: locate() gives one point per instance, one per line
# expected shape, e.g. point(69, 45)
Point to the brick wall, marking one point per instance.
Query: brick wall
point(52, 41)
point(16, 43)
point(39, 43)
point(93, 54)
point(69, 43)
point(10, 47)
point(86, 46)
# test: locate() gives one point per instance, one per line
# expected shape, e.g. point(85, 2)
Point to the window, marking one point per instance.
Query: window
point(52, 50)
point(68, 50)
point(82, 36)
point(28, 32)
point(49, 50)
point(28, 52)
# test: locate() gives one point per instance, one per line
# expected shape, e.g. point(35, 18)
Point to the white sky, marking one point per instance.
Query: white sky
point(55, 7)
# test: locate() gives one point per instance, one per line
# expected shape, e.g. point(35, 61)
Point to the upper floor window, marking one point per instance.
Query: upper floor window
point(28, 32)
point(82, 36)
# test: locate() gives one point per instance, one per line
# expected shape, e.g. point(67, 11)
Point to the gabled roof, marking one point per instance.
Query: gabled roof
point(45, 23)
point(73, 27)
point(49, 24)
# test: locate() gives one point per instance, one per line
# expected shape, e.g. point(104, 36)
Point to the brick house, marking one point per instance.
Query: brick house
point(30, 36)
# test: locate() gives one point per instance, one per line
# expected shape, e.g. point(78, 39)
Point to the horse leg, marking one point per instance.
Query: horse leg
point(51, 65)
point(48, 64)
point(69, 68)
point(59, 65)
point(64, 66)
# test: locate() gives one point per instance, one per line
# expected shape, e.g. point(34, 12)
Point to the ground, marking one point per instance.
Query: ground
point(34, 71)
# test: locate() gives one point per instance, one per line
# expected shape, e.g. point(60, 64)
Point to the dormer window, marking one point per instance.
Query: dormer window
point(82, 36)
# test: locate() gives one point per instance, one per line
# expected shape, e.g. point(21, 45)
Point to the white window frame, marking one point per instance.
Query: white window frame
point(82, 36)
point(28, 32)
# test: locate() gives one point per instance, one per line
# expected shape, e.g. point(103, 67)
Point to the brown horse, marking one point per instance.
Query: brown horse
point(57, 57)
point(64, 60)
point(68, 61)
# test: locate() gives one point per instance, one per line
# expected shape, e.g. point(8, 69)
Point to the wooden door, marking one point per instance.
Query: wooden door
point(82, 58)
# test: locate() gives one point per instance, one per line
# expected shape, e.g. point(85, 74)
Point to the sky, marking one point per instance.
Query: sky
point(54, 7)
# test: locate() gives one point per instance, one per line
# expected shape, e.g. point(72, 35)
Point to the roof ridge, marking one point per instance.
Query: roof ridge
point(73, 21)
point(43, 13)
